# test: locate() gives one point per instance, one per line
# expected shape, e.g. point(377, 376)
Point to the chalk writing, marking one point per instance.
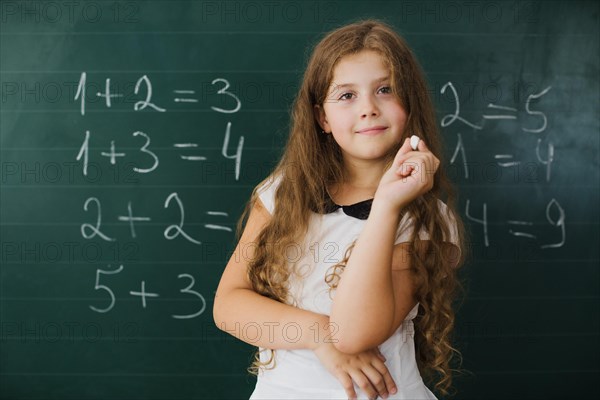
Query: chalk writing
point(143, 294)
point(171, 232)
point(544, 155)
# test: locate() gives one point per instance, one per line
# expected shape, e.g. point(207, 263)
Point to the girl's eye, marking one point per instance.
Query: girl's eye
point(385, 90)
point(346, 96)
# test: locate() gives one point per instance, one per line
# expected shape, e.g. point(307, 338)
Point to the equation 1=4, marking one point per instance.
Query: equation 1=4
point(500, 113)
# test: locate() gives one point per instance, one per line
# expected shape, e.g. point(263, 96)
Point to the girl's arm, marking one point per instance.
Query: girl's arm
point(267, 323)
point(371, 297)
point(376, 292)
point(256, 319)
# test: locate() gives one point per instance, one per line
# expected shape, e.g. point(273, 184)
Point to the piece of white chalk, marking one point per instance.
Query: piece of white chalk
point(414, 142)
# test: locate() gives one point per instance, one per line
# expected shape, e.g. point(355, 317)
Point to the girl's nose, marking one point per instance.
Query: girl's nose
point(368, 107)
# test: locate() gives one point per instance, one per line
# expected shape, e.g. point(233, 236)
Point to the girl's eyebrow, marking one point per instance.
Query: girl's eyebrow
point(345, 85)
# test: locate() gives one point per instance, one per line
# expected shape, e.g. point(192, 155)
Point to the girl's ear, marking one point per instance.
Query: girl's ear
point(321, 118)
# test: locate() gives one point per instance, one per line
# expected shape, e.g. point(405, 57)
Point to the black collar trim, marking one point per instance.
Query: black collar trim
point(360, 210)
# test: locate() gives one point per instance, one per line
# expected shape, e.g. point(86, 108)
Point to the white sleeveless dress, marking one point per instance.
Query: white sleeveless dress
point(299, 374)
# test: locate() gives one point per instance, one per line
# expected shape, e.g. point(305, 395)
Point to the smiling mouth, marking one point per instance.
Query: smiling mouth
point(373, 130)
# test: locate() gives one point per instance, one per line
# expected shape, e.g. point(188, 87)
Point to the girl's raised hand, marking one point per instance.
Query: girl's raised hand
point(366, 369)
point(410, 176)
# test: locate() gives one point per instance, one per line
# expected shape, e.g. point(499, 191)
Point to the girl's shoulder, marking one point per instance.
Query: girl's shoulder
point(266, 191)
point(406, 226)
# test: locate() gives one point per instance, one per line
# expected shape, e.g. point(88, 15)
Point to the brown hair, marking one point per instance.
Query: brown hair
point(311, 163)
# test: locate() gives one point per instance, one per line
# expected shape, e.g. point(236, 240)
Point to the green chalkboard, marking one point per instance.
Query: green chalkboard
point(133, 132)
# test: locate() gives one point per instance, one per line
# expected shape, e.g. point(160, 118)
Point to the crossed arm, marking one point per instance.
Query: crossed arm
point(376, 292)
point(256, 319)
point(262, 322)
point(370, 303)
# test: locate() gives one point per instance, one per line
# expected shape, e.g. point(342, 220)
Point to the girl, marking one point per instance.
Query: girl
point(347, 241)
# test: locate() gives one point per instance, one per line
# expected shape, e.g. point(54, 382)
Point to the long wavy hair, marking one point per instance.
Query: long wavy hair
point(312, 162)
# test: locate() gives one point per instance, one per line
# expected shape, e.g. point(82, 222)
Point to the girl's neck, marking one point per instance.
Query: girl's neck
point(360, 183)
point(363, 176)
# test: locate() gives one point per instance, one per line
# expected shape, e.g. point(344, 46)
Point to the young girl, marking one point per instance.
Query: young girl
point(346, 271)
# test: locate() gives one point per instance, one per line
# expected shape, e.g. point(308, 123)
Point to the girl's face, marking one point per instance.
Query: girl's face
point(361, 112)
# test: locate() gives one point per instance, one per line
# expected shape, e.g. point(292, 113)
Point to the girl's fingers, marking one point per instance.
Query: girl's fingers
point(422, 146)
point(380, 354)
point(406, 169)
point(419, 156)
point(412, 163)
point(404, 149)
point(378, 380)
point(363, 383)
point(415, 161)
point(347, 384)
point(434, 160)
point(390, 384)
